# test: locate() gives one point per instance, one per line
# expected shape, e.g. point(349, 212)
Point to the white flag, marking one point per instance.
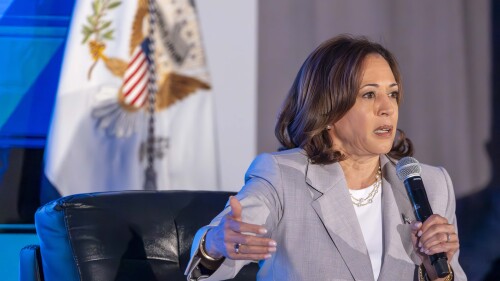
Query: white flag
point(100, 125)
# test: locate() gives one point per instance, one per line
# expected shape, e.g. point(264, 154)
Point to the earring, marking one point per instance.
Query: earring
point(328, 127)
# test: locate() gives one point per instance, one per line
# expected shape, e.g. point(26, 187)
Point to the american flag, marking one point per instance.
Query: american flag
point(135, 80)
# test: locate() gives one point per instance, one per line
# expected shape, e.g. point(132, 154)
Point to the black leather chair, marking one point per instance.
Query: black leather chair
point(131, 235)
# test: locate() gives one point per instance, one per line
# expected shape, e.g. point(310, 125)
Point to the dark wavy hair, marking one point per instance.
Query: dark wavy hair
point(324, 90)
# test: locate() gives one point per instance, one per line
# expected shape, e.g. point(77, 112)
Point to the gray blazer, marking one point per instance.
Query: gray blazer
point(308, 212)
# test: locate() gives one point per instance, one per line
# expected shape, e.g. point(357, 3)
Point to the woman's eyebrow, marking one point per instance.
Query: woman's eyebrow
point(377, 85)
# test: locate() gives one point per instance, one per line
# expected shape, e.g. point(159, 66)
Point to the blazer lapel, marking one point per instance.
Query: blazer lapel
point(397, 212)
point(334, 208)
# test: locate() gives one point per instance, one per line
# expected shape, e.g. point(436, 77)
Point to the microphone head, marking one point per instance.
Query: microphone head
point(408, 167)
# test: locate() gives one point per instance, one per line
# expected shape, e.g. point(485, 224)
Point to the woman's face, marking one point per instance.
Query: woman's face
point(369, 127)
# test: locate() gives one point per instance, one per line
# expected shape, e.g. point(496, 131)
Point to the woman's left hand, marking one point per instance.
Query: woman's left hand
point(435, 235)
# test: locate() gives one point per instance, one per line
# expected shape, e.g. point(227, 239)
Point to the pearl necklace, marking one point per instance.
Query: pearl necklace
point(369, 199)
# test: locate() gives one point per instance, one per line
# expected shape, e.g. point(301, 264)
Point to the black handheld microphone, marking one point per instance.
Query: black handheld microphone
point(408, 170)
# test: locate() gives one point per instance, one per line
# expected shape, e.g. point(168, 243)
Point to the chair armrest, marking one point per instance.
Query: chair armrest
point(30, 264)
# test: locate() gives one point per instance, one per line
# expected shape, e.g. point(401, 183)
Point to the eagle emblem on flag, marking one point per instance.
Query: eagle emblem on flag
point(177, 55)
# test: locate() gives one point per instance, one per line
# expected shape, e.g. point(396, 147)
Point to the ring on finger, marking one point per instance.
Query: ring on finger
point(447, 237)
point(237, 248)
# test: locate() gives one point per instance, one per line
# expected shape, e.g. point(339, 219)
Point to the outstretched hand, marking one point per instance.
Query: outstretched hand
point(237, 240)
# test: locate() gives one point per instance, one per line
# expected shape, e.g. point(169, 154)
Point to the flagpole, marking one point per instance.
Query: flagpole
point(150, 182)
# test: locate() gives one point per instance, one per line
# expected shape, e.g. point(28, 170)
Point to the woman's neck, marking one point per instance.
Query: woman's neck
point(360, 172)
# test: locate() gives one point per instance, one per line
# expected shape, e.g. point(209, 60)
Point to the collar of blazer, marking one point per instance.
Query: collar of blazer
point(336, 211)
point(324, 177)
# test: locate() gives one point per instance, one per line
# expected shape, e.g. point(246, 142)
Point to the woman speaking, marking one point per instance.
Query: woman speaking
point(329, 205)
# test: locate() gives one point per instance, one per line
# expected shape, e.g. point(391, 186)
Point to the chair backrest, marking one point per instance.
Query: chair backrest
point(132, 235)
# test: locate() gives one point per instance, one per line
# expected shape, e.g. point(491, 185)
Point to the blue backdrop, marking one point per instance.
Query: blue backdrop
point(32, 40)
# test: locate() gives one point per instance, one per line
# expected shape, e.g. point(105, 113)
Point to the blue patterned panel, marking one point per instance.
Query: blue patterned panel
point(32, 39)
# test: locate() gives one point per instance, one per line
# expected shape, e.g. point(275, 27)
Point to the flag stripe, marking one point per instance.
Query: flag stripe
point(133, 66)
point(136, 90)
point(139, 74)
point(141, 96)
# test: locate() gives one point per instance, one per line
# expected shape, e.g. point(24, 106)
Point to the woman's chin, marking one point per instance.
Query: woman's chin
point(383, 150)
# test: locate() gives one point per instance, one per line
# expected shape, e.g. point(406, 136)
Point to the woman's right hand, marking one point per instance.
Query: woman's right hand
point(222, 239)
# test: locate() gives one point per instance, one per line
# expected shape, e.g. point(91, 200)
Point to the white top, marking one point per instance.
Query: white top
point(370, 220)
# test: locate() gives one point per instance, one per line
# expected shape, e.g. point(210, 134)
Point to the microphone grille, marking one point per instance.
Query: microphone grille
point(407, 167)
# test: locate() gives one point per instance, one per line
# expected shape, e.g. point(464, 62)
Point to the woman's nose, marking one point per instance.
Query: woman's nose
point(386, 105)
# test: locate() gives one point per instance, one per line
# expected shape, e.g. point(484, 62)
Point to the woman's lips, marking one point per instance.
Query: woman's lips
point(384, 131)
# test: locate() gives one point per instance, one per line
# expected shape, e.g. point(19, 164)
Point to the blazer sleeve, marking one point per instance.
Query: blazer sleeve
point(459, 274)
point(261, 204)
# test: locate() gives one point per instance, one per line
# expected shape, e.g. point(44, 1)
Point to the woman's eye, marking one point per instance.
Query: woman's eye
point(394, 94)
point(369, 95)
